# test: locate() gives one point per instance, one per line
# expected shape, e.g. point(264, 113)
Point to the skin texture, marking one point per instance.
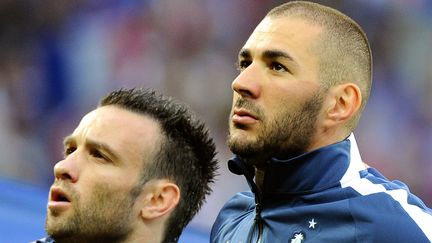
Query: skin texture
point(278, 86)
point(104, 160)
point(280, 107)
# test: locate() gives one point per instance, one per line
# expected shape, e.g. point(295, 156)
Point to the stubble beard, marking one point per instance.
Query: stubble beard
point(287, 136)
point(105, 217)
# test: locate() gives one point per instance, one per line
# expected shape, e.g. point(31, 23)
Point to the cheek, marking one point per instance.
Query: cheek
point(278, 102)
point(107, 192)
point(105, 187)
point(289, 97)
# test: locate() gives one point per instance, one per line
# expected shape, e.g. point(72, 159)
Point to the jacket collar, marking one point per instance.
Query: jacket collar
point(314, 171)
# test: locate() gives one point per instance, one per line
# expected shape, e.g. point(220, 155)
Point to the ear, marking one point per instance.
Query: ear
point(343, 103)
point(161, 197)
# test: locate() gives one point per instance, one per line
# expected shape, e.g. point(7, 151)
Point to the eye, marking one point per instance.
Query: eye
point(243, 64)
point(97, 154)
point(275, 66)
point(68, 150)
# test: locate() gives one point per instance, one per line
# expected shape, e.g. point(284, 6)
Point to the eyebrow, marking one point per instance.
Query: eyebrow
point(94, 144)
point(245, 53)
point(270, 54)
point(273, 54)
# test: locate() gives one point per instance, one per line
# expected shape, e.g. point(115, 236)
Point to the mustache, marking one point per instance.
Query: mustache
point(250, 106)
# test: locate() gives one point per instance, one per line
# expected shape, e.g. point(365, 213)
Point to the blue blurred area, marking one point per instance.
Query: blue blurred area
point(59, 57)
point(23, 209)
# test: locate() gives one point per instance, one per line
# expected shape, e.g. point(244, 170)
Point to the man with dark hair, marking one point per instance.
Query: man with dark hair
point(305, 77)
point(136, 169)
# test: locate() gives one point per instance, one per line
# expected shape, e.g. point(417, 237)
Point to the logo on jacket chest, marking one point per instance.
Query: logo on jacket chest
point(300, 235)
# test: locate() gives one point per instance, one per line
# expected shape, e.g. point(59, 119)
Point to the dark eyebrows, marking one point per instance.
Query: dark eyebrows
point(245, 54)
point(268, 54)
point(273, 54)
point(93, 144)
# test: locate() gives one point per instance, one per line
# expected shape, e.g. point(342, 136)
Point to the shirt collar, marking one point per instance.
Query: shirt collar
point(314, 171)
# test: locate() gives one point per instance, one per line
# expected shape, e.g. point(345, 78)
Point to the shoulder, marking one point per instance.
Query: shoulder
point(240, 202)
point(387, 209)
point(239, 210)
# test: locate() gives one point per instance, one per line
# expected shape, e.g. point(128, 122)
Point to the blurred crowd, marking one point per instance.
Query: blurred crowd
point(58, 57)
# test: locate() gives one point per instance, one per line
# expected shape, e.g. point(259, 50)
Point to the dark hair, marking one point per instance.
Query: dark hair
point(186, 155)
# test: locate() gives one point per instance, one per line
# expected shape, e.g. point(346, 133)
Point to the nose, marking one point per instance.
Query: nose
point(67, 169)
point(247, 83)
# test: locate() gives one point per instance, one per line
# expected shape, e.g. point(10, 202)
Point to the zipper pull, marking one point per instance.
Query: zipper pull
point(258, 221)
point(258, 209)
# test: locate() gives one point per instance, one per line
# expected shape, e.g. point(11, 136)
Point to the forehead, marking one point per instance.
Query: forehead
point(292, 34)
point(129, 133)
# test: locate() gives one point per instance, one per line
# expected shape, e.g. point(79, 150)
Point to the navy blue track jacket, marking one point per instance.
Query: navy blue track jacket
point(326, 195)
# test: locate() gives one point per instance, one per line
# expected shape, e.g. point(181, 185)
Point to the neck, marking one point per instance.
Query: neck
point(259, 178)
point(148, 233)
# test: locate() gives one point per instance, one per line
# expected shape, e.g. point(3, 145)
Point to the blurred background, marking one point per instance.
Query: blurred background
point(58, 57)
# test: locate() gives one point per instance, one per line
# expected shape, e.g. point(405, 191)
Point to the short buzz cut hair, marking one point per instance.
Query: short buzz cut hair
point(186, 155)
point(344, 53)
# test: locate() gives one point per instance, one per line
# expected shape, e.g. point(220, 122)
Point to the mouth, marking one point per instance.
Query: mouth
point(243, 117)
point(58, 200)
point(57, 195)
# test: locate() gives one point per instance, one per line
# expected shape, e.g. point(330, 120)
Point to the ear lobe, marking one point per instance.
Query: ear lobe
point(161, 197)
point(346, 101)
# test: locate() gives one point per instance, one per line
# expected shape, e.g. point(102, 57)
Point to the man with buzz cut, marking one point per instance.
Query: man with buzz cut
point(305, 77)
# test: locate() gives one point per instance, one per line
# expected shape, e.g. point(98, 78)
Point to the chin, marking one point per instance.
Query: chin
point(56, 222)
point(60, 229)
point(53, 229)
point(240, 143)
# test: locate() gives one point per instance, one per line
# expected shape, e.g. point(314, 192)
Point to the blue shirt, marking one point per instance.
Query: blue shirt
point(326, 195)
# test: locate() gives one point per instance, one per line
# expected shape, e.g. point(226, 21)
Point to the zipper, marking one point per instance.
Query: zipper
point(258, 209)
point(259, 221)
point(237, 166)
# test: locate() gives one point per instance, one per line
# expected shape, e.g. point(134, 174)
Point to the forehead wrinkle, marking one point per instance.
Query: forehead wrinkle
point(134, 142)
point(290, 28)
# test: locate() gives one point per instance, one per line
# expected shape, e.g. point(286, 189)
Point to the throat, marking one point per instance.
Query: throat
point(259, 178)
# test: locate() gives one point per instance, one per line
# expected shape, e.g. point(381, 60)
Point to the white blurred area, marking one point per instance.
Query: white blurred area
point(59, 57)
